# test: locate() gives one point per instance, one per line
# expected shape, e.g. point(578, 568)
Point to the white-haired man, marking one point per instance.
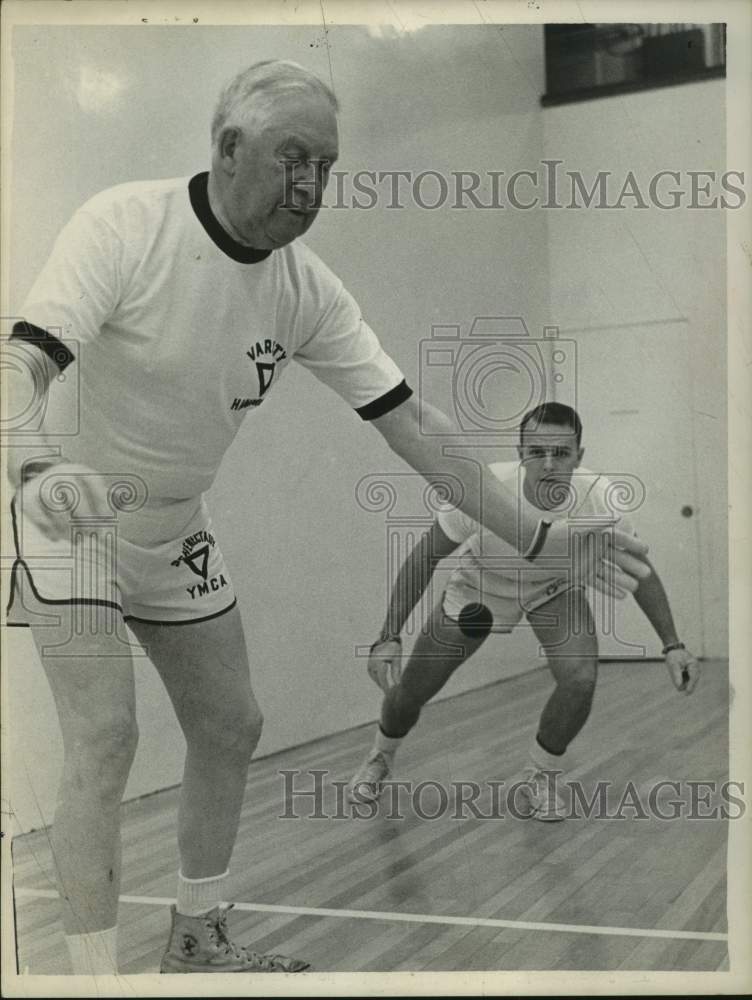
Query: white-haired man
point(182, 302)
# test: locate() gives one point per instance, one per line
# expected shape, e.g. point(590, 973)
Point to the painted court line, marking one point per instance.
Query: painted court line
point(421, 918)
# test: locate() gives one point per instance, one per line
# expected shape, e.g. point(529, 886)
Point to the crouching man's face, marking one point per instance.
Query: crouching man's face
point(549, 454)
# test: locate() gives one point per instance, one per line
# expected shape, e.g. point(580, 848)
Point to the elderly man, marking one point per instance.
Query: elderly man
point(182, 302)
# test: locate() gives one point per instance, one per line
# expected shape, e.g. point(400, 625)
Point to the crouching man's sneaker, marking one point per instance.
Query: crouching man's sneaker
point(537, 796)
point(366, 784)
point(202, 944)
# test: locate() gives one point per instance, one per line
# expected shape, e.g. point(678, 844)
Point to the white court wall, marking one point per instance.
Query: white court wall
point(95, 107)
point(641, 271)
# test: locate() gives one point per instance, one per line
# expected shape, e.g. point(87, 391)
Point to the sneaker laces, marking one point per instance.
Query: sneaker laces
point(375, 768)
point(533, 776)
point(543, 786)
point(220, 935)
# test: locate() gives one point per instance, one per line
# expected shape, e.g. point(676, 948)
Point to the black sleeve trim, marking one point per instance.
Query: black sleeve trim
point(55, 349)
point(389, 401)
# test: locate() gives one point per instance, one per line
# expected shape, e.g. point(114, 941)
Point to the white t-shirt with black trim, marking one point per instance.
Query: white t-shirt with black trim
point(178, 332)
point(494, 568)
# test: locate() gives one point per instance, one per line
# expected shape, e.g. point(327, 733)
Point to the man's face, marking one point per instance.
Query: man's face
point(275, 175)
point(549, 455)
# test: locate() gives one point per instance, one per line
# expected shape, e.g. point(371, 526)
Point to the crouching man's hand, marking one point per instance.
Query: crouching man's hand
point(683, 668)
point(385, 662)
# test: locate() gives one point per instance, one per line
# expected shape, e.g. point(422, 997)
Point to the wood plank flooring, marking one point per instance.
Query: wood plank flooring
point(585, 894)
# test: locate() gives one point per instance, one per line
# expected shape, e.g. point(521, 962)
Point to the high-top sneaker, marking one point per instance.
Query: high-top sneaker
point(366, 784)
point(202, 944)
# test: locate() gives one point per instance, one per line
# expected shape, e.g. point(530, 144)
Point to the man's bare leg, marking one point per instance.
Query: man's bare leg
point(566, 631)
point(204, 667)
point(437, 653)
point(95, 699)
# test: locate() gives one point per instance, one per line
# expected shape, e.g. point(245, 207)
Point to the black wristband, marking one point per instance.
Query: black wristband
point(672, 646)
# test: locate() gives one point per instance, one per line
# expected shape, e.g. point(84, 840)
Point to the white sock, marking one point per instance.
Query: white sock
point(545, 761)
point(199, 895)
point(93, 954)
point(386, 744)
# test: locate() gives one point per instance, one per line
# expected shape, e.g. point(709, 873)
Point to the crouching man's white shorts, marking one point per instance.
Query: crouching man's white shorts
point(507, 611)
point(159, 565)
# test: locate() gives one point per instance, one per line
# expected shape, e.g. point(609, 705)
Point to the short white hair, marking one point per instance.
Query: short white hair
point(255, 88)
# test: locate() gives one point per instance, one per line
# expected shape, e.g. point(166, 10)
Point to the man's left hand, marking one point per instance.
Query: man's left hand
point(384, 663)
point(683, 669)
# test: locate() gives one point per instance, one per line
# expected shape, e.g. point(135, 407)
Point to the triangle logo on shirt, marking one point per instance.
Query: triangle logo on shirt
point(265, 371)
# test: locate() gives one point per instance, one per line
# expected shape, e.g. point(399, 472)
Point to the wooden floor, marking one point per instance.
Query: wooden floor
point(473, 893)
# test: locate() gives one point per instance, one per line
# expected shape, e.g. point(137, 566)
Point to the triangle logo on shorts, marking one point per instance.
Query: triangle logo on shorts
point(195, 554)
point(198, 561)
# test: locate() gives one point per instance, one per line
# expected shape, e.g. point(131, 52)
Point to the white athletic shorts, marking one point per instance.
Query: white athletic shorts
point(462, 590)
point(160, 564)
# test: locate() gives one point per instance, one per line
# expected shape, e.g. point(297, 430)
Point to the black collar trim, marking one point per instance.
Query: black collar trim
point(198, 191)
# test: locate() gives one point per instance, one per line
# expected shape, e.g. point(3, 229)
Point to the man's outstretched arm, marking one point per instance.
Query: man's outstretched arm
point(412, 582)
point(682, 666)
